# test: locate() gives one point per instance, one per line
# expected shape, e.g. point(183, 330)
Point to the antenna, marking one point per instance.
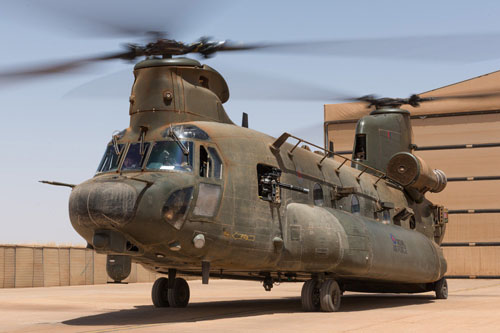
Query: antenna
point(244, 120)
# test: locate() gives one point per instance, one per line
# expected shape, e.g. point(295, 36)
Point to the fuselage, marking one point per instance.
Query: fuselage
point(158, 211)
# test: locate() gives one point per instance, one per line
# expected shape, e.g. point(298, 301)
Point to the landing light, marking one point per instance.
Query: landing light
point(199, 241)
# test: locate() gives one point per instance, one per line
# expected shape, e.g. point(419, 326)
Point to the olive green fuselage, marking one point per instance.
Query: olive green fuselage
point(244, 233)
point(328, 218)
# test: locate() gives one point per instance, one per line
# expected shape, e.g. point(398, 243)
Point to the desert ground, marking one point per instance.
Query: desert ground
point(239, 306)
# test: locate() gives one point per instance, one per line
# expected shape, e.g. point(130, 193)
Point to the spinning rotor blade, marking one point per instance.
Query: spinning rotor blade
point(61, 67)
point(459, 47)
point(149, 19)
point(125, 18)
point(416, 100)
point(434, 47)
point(465, 96)
point(243, 85)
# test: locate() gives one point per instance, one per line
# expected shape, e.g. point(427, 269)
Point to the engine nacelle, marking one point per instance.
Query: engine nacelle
point(411, 171)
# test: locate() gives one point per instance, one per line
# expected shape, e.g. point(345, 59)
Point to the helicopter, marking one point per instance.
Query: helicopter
point(185, 191)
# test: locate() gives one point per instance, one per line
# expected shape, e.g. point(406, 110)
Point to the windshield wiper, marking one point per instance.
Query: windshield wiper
point(142, 136)
point(174, 136)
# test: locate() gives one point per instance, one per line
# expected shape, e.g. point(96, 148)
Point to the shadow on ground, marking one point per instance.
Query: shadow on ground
point(205, 311)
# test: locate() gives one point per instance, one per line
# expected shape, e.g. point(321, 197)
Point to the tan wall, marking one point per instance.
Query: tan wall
point(27, 266)
point(458, 195)
point(473, 260)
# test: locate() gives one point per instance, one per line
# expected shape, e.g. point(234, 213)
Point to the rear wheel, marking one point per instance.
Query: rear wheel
point(330, 295)
point(178, 296)
point(310, 296)
point(159, 293)
point(441, 289)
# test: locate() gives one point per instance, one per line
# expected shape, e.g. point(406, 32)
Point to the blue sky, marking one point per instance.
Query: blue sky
point(57, 127)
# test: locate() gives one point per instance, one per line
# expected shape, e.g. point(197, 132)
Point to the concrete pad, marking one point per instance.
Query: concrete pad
point(240, 306)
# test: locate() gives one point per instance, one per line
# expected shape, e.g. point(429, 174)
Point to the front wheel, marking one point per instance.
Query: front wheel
point(178, 296)
point(159, 293)
point(441, 289)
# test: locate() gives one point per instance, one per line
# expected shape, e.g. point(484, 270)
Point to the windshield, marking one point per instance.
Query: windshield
point(167, 155)
point(187, 132)
point(111, 159)
point(134, 159)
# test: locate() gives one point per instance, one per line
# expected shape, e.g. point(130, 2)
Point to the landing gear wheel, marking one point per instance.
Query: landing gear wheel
point(330, 295)
point(159, 293)
point(441, 289)
point(178, 296)
point(310, 296)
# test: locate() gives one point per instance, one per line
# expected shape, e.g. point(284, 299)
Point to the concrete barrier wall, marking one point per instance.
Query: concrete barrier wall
point(49, 266)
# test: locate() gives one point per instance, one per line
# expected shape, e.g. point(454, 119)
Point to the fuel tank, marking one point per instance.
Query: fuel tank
point(353, 246)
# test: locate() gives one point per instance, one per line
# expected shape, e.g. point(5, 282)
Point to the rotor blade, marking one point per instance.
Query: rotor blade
point(129, 18)
point(251, 86)
point(467, 47)
point(242, 85)
point(116, 85)
point(464, 96)
point(61, 67)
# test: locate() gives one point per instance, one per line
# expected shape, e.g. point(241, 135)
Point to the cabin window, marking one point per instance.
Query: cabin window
point(208, 200)
point(318, 195)
point(217, 163)
point(210, 163)
point(386, 216)
point(205, 163)
point(135, 156)
point(168, 155)
point(360, 147)
point(413, 223)
point(355, 207)
point(111, 159)
point(203, 81)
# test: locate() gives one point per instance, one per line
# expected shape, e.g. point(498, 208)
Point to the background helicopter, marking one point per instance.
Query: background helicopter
point(199, 46)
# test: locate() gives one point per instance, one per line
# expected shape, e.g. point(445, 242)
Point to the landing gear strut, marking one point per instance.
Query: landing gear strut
point(176, 297)
point(268, 283)
point(324, 296)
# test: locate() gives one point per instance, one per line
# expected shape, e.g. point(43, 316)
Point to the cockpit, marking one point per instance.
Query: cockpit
point(175, 153)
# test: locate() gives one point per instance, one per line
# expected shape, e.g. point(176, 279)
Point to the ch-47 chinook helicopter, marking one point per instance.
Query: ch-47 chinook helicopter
point(185, 191)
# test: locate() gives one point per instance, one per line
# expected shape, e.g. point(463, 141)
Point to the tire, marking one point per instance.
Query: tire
point(178, 296)
point(330, 296)
point(310, 296)
point(441, 289)
point(159, 293)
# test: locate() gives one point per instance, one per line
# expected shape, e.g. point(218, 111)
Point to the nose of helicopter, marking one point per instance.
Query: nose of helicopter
point(100, 204)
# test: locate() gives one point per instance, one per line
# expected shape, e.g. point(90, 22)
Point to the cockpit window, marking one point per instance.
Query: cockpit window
point(205, 163)
point(111, 159)
point(217, 163)
point(167, 155)
point(135, 156)
point(187, 132)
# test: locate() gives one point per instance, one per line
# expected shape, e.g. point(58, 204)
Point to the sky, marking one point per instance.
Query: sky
point(57, 127)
